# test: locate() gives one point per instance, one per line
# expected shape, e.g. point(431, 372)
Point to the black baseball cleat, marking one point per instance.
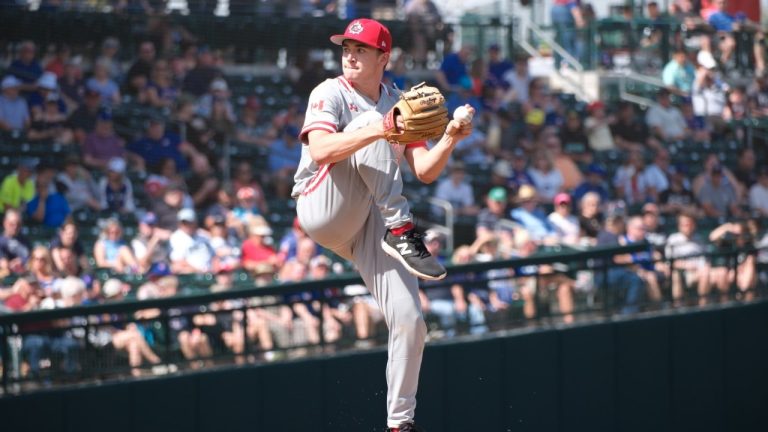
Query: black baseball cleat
point(406, 427)
point(409, 249)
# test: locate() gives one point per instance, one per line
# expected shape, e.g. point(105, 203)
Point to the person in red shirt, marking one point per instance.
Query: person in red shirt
point(255, 251)
point(24, 296)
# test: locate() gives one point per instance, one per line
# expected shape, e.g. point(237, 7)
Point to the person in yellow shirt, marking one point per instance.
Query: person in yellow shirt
point(18, 188)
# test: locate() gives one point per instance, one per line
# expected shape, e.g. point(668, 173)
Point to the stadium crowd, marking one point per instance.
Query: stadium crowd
point(541, 170)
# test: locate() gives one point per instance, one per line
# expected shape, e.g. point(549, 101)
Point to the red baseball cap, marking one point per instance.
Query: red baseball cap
point(367, 31)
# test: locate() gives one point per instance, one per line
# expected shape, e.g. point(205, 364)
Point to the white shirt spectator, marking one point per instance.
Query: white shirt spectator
point(566, 227)
point(547, 184)
point(194, 249)
point(679, 245)
point(708, 101)
point(459, 196)
point(634, 191)
point(758, 198)
point(669, 120)
point(519, 84)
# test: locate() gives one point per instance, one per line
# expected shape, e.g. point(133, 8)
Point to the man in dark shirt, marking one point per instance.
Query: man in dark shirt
point(83, 120)
point(138, 74)
point(618, 275)
point(631, 133)
point(157, 144)
point(26, 67)
point(198, 80)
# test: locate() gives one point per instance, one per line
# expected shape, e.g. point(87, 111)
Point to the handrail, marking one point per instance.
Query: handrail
point(634, 76)
point(447, 229)
point(297, 287)
point(578, 84)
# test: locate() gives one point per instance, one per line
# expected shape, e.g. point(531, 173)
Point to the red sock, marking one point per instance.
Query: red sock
point(402, 229)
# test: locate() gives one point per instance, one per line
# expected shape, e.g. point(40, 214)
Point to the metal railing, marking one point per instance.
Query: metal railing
point(79, 336)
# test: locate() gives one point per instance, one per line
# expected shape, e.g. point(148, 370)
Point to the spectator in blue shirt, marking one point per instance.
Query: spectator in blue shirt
point(47, 207)
point(149, 151)
point(725, 24)
point(14, 114)
point(26, 67)
point(679, 73)
point(594, 182)
point(530, 216)
point(498, 67)
point(454, 68)
point(284, 155)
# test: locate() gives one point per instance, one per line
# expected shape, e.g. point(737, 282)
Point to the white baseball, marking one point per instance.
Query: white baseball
point(462, 115)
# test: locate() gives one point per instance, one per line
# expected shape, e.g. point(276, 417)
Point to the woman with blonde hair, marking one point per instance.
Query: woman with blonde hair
point(41, 268)
point(111, 251)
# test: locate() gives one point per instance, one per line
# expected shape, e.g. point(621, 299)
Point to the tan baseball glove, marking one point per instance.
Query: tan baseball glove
point(423, 112)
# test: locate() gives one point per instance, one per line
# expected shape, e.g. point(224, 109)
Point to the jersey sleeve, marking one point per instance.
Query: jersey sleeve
point(323, 111)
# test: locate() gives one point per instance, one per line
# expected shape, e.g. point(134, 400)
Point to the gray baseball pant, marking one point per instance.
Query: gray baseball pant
point(349, 213)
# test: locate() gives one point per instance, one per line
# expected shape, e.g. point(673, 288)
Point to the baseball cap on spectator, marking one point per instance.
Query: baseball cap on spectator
point(706, 59)
point(47, 81)
point(155, 184)
point(535, 117)
point(366, 31)
point(112, 287)
point(432, 235)
point(594, 168)
point(245, 193)
point(502, 169)
point(320, 260)
point(10, 82)
point(104, 115)
point(498, 194)
point(518, 153)
point(562, 198)
point(650, 208)
point(110, 42)
point(261, 230)
point(717, 169)
point(149, 218)
point(52, 97)
point(219, 85)
point(679, 168)
point(28, 163)
point(525, 193)
point(186, 215)
point(116, 165)
point(594, 106)
point(494, 47)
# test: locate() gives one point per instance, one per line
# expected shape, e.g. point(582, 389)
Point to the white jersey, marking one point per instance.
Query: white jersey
point(332, 105)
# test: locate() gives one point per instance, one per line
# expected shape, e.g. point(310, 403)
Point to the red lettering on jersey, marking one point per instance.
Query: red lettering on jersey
point(317, 106)
point(353, 107)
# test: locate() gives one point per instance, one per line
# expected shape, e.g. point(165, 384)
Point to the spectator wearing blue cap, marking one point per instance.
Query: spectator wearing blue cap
point(498, 66)
point(284, 155)
point(14, 112)
point(594, 181)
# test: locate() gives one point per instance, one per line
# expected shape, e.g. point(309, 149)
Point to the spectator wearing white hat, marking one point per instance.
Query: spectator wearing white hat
point(14, 111)
point(191, 251)
point(115, 189)
point(46, 90)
